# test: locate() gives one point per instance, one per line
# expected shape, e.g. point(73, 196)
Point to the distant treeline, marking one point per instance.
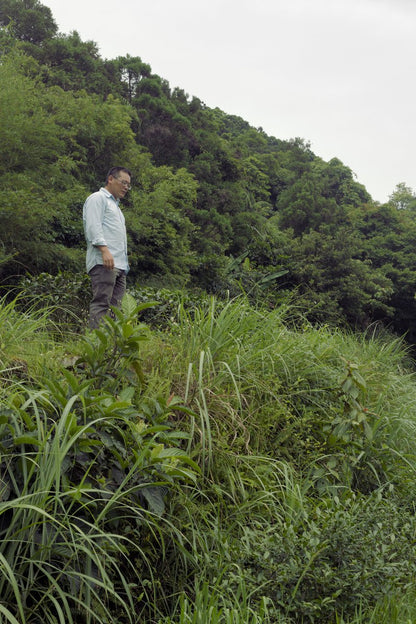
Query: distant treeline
point(215, 204)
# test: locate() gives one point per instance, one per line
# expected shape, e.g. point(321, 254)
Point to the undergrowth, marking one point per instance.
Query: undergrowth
point(224, 467)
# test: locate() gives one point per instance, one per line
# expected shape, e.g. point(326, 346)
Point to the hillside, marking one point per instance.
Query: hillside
point(216, 204)
point(223, 468)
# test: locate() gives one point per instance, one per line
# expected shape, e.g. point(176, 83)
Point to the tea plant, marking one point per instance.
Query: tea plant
point(356, 453)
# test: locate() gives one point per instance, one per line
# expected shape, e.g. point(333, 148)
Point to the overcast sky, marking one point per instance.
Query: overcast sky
point(338, 73)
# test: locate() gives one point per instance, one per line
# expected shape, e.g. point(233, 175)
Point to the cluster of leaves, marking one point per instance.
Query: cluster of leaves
point(66, 296)
point(303, 442)
point(306, 443)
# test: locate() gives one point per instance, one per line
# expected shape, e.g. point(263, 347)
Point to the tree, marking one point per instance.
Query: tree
point(31, 21)
point(337, 286)
point(320, 196)
point(73, 64)
point(130, 71)
point(55, 147)
point(403, 197)
point(29, 137)
point(387, 241)
point(159, 228)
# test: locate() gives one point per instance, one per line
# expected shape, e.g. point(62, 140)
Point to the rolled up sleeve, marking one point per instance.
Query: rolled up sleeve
point(93, 219)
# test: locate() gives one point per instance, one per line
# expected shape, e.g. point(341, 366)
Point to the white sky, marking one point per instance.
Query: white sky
point(338, 73)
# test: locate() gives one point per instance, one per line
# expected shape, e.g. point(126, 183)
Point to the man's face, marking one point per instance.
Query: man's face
point(119, 185)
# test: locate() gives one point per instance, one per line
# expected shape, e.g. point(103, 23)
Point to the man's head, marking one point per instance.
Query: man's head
point(118, 181)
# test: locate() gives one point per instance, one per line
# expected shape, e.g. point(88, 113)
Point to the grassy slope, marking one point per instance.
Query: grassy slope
point(305, 440)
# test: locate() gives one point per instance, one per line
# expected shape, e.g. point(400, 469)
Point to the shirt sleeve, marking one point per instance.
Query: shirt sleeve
point(94, 210)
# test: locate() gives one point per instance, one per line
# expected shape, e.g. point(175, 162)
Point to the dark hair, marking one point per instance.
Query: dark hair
point(115, 170)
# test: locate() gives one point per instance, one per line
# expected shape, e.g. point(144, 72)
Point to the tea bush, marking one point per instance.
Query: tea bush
point(66, 295)
point(338, 558)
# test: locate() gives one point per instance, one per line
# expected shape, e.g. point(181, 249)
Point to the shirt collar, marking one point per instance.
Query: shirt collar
point(109, 195)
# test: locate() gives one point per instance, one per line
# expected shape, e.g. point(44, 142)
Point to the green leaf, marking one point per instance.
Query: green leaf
point(155, 498)
point(26, 439)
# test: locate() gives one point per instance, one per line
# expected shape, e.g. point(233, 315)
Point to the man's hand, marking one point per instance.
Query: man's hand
point(108, 260)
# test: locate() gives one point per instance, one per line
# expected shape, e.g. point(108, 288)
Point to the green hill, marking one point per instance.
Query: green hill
point(216, 203)
point(237, 445)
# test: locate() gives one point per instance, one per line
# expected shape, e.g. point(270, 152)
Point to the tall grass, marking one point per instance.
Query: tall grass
point(26, 340)
point(284, 419)
point(233, 468)
point(266, 383)
point(85, 465)
point(63, 557)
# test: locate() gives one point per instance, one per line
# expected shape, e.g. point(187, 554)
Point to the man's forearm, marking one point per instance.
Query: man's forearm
point(108, 260)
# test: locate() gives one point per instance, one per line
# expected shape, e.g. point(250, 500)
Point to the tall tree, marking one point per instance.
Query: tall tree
point(31, 21)
point(388, 242)
point(403, 197)
point(74, 64)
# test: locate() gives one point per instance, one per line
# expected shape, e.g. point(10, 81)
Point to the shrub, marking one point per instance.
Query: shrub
point(66, 295)
point(165, 303)
point(338, 558)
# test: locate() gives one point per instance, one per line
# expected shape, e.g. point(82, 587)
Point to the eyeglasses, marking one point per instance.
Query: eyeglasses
point(124, 183)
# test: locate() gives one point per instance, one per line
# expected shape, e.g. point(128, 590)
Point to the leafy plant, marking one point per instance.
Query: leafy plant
point(357, 445)
point(65, 295)
point(85, 467)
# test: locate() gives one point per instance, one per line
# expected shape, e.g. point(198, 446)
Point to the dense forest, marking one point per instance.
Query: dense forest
point(237, 443)
point(216, 203)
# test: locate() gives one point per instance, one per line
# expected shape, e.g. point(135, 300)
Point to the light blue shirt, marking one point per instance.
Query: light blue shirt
point(104, 224)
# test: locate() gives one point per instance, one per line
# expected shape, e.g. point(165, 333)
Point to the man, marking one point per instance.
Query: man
point(105, 232)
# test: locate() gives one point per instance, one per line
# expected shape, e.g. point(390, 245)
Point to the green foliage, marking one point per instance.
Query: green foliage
point(387, 241)
point(130, 71)
point(47, 137)
point(29, 138)
point(303, 436)
point(403, 197)
point(65, 295)
point(111, 355)
point(331, 279)
point(271, 493)
point(160, 228)
point(232, 191)
point(343, 555)
point(166, 302)
point(73, 64)
point(86, 463)
point(211, 604)
point(358, 454)
point(305, 475)
point(320, 196)
point(25, 340)
point(208, 187)
point(31, 21)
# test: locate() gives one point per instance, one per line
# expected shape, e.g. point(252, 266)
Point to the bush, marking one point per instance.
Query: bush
point(165, 303)
point(337, 559)
point(66, 295)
